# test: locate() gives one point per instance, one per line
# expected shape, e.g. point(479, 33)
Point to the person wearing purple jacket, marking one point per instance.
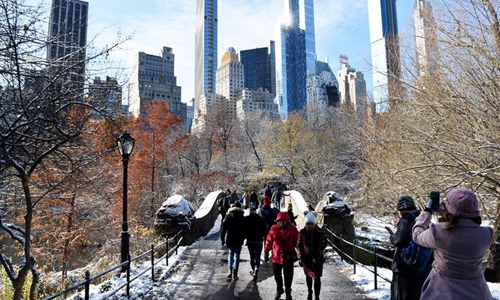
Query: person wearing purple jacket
point(459, 244)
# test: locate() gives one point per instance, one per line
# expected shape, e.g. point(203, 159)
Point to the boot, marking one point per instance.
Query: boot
point(279, 292)
point(235, 275)
point(230, 274)
point(255, 272)
point(288, 296)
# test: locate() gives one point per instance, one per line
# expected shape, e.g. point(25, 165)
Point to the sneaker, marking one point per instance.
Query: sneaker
point(235, 275)
point(230, 274)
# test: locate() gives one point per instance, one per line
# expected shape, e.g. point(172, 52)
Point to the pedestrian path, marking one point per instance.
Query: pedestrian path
point(201, 274)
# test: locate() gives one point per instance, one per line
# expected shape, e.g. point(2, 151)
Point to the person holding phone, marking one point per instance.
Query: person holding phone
point(459, 243)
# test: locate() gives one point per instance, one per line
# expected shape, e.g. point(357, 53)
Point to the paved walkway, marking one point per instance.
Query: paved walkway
point(201, 274)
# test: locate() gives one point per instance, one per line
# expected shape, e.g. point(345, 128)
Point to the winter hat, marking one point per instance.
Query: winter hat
point(237, 204)
point(267, 200)
point(310, 218)
point(462, 202)
point(406, 202)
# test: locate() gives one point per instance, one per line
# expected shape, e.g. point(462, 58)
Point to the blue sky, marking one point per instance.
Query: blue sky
point(341, 28)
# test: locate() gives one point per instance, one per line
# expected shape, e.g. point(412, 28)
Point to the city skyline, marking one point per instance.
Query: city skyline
point(340, 28)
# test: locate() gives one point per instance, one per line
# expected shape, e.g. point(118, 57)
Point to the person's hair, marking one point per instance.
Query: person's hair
point(453, 220)
point(290, 205)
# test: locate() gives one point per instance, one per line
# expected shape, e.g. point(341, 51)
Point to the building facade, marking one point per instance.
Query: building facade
point(205, 49)
point(292, 63)
point(107, 98)
point(308, 17)
point(322, 90)
point(352, 87)
point(67, 39)
point(230, 79)
point(384, 51)
point(425, 37)
point(260, 68)
point(153, 79)
point(258, 100)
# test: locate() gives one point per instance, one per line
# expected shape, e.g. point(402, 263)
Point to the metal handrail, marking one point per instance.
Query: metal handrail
point(372, 269)
point(89, 279)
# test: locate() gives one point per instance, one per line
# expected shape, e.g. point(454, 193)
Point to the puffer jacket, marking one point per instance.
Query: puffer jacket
point(281, 239)
point(233, 228)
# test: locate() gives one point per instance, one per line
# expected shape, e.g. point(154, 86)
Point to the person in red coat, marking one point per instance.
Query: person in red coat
point(282, 240)
point(312, 242)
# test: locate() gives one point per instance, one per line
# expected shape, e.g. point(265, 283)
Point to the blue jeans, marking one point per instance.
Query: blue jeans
point(255, 249)
point(234, 258)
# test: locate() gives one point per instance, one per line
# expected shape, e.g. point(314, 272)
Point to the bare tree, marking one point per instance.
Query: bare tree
point(43, 111)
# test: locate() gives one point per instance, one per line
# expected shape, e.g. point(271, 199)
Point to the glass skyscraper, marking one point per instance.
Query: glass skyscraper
point(205, 49)
point(384, 51)
point(295, 47)
point(259, 68)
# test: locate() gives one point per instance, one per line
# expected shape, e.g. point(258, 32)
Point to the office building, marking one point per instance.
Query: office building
point(384, 52)
point(425, 37)
point(308, 17)
point(258, 100)
point(352, 87)
point(153, 79)
point(205, 49)
point(292, 62)
point(67, 39)
point(260, 68)
point(106, 96)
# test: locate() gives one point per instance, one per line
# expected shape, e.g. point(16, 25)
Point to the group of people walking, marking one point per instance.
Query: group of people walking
point(273, 232)
point(459, 244)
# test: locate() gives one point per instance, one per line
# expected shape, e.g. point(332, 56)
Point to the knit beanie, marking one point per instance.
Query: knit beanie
point(406, 202)
point(267, 200)
point(462, 202)
point(310, 218)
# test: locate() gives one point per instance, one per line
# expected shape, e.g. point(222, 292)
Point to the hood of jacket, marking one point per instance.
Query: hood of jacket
point(283, 215)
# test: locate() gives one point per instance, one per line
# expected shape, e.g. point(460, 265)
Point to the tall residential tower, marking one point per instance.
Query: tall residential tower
point(425, 37)
point(260, 68)
point(205, 49)
point(384, 51)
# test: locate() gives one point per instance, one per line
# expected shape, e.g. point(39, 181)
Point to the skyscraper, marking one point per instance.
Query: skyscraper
point(205, 49)
point(230, 79)
point(68, 37)
point(292, 57)
point(260, 70)
point(153, 79)
point(384, 51)
point(308, 17)
point(322, 90)
point(352, 86)
point(67, 28)
point(425, 37)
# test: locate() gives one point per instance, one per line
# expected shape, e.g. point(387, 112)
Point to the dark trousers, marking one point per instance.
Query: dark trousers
point(255, 250)
point(317, 285)
point(287, 273)
point(406, 287)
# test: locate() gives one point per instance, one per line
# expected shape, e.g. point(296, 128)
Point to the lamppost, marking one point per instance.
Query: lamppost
point(125, 145)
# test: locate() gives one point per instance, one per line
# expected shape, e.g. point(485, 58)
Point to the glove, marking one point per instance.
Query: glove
point(222, 242)
point(266, 256)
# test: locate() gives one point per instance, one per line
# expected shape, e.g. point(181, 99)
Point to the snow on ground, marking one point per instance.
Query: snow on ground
point(375, 231)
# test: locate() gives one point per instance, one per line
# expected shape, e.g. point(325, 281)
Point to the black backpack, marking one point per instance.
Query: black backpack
point(414, 256)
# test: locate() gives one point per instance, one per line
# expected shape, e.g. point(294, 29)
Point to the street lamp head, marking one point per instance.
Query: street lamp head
point(125, 144)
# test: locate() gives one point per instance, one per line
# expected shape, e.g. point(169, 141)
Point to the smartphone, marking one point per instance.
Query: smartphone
point(434, 195)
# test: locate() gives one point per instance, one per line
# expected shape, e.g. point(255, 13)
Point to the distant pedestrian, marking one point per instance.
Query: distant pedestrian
point(223, 205)
point(459, 244)
point(311, 244)
point(290, 214)
point(234, 197)
point(268, 192)
point(406, 283)
point(254, 199)
point(245, 200)
point(269, 216)
point(233, 234)
point(282, 240)
point(276, 197)
point(255, 236)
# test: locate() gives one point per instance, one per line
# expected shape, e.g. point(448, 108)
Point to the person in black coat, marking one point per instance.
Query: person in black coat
point(256, 234)
point(406, 284)
point(233, 234)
